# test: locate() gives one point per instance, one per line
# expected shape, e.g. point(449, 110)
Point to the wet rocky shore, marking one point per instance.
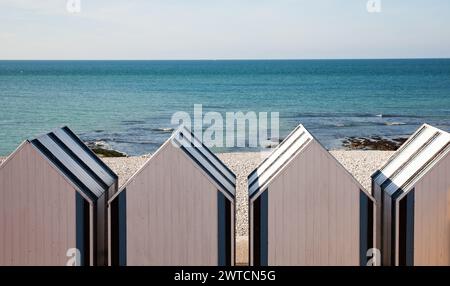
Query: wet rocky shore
point(104, 151)
point(373, 143)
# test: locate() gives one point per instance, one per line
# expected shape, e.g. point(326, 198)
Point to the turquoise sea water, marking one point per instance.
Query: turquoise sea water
point(127, 104)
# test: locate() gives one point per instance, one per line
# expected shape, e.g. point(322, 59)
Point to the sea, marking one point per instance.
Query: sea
point(128, 105)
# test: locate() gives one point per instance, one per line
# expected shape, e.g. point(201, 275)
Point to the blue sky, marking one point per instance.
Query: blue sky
point(223, 29)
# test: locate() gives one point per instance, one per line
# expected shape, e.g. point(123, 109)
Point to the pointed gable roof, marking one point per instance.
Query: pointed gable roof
point(294, 142)
point(413, 158)
point(282, 155)
point(184, 140)
point(205, 159)
point(76, 161)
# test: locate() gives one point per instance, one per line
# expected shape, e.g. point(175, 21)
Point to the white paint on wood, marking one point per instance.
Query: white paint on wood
point(37, 205)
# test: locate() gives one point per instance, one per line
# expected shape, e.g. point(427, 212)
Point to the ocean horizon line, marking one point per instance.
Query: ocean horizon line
point(226, 59)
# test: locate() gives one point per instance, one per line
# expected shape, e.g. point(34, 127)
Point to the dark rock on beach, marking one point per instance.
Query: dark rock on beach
point(103, 151)
point(373, 143)
point(272, 142)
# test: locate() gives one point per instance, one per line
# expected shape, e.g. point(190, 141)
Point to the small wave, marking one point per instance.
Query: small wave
point(132, 122)
point(98, 140)
point(164, 130)
point(134, 142)
point(349, 124)
point(400, 116)
point(213, 106)
point(352, 114)
point(394, 123)
point(331, 115)
point(97, 143)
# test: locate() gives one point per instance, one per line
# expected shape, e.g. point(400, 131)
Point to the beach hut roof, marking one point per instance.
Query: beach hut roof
point(295, 142)
point(76, 162)
point(419, 153)
point(285, 151)
point(185, 140)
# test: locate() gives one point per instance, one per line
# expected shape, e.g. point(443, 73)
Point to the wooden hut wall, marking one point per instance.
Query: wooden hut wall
point(431, 213)
point(172, 215)
point(313, 214)
point(38, 211)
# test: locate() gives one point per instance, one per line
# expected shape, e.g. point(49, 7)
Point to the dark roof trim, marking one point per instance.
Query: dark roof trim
point(89, 152)
point(225, 170)
point(208, 162)
point(64, 170)
point(270, 165)
point(206, 171)
point(76, 161)
point(256, 191)
point(279, 145)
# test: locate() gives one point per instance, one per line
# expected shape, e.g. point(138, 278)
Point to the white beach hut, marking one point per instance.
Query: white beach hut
point(178, 209)
point(53, 195)
point(413, 194)
point(307, 209)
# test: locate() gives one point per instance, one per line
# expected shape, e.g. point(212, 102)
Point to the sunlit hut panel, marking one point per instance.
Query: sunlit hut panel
point(413, 191)
point(178, 209)
point(307, 209)
point(53, 195)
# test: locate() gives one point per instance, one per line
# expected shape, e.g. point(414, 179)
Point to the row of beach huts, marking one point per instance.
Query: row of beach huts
point(61, 205)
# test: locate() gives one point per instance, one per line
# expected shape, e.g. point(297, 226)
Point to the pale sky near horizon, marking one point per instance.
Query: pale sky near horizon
point(224, 29)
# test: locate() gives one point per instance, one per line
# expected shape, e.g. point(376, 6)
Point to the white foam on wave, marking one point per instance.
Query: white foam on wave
point(394, 123)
